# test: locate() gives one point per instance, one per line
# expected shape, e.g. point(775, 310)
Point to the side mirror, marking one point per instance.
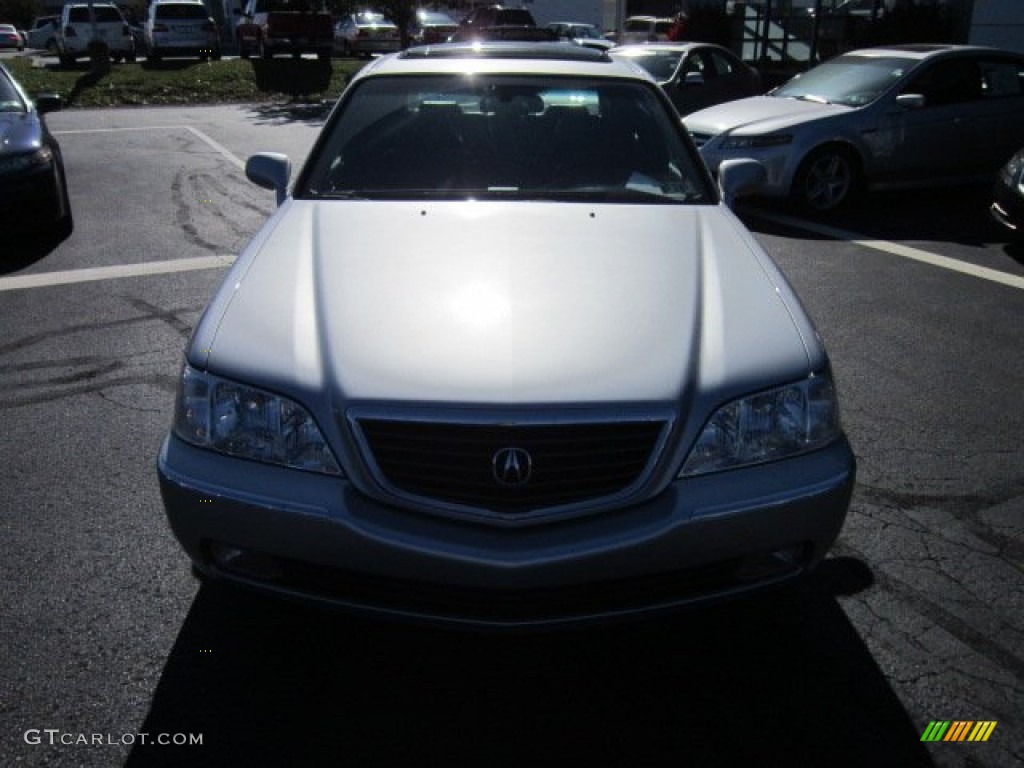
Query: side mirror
point(270, 170)
point(739, 177)
point(911, 100)
point(48, 102)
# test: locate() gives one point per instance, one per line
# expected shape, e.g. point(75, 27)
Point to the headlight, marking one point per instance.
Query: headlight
point(770, 425)
point(26, 161)
point(249, 423)
point(757, 142)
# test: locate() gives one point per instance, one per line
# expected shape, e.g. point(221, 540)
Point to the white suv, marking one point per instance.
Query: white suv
point(76, 31)
point(180, 28)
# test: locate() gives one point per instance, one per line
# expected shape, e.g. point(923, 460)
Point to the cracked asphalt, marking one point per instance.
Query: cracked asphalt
point(109, 643)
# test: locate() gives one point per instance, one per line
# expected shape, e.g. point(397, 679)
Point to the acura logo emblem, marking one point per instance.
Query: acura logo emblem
point(512, 466)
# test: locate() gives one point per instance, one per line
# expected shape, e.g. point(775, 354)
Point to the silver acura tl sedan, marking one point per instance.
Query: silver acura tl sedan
point(504, 357)
point(902, 116)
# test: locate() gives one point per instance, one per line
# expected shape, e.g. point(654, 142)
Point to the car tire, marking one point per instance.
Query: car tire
point(66, 61)
point(827, 179)
point(51, 47)
point(216, 54)
point(153, 56)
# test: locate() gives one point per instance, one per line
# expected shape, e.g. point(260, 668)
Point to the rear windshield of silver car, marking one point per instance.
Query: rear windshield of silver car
point(188, 11)
point(511, 137)
point(103, 13)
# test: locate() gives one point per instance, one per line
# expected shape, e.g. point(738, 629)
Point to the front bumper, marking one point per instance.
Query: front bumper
point(1008, 208)
point(33, 198)
point(318, 538)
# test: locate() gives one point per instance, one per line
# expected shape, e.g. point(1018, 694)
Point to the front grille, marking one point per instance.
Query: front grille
point(469, 465)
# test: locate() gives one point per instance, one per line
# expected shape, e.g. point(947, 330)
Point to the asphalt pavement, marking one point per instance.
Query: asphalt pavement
point(115, 655)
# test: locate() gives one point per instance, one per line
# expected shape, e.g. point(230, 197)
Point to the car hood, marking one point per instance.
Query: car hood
point(504, 303)
point(759, 114)
point(19, 132)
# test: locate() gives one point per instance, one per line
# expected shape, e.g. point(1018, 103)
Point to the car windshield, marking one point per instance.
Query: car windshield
point(10, 99)
point(433, 17)
point(661, 64)
point(183, 11)
point(849, 80)
point(103, 14)
point(508, 137)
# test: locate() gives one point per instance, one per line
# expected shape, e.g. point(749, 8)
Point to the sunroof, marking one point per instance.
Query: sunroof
point(506, 50)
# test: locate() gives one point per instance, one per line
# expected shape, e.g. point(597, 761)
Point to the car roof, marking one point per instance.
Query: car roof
point(546, 58)
point(662, 47)
point(922, 51)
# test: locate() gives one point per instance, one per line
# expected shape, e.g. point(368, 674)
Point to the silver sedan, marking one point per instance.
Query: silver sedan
point(503, 357)
point(900, 116)
point(694, 75)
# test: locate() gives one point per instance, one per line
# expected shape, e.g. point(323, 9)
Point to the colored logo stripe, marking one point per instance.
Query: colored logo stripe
point(982, 731)
point(958, 730)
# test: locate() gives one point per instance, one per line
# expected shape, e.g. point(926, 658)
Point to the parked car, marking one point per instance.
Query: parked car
point(581, 34)
point(366, 33)
point(695, 75)
point(430, 27)
point(43, 34)
point(504, 32)
point(268, 27)
point(898, 116)
point(10, 37)
point(77, 30)
point(645, 29)
point(1008, 196)
point(33, 187)
point(180, 28)
point(568, 385)
point(498, 16)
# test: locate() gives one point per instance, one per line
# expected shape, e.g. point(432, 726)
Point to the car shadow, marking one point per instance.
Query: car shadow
point(1015, 251)
point(948, 214)
point(23, 251)
point(781, 680)
point(312, 113)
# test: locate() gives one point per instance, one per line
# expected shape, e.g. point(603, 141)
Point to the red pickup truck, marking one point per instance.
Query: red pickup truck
point(267, 27)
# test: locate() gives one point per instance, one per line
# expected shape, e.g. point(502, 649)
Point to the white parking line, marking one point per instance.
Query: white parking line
point(238, 163)
point(48, 279)
point(114, 272)
point(905, 251)
point(233, 159)
point(118, 271)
